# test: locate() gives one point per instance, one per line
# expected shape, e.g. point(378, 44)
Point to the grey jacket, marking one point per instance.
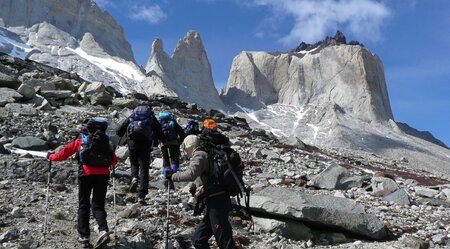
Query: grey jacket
point(197, 171)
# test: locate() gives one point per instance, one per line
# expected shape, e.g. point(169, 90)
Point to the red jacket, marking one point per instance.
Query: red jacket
point(73, 147)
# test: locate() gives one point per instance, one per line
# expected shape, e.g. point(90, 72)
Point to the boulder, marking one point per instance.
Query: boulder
point(382, 186)
point(27, 91)
point(40, 103)
point(56, 94)
point(3, 150)
point(21, 109)
point(101, 98)
point(290, 229)
point(29, 143)
point(96, 93)
point(8, 95)
point(399, 197)
point(426, 192)
point(330, 178)
point(412, 242)
point(318, 210)
point(125, 103)
point(8, 78)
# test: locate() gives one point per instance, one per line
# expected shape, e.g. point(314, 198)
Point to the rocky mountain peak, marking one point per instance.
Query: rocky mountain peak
point(187, 74)
point(73, 17)
point(337, 39)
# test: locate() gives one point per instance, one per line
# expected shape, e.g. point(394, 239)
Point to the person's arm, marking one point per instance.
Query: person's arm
point(195, 169)
point(157, 130)
point(66, 152)
point(123, 128)
point(180, 131)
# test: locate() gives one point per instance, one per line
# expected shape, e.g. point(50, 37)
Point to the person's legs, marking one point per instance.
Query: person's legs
point(202, 233)
point(100, 186)
point(84, 205)
point(165, 154)
point(175, 154)
point(144, 164)
point(218, 208)
point(134, 159)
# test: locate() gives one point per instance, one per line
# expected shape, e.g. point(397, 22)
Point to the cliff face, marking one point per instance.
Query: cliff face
point(75, 36)
point(348, 77)
point(73, 17)
point(187, 74)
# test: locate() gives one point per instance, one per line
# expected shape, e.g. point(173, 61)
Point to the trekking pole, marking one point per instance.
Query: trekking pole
point(169, 185)
point(114, 196)
point(47, 197)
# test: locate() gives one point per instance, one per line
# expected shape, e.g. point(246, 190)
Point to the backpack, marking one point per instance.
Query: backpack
point(140, 124)
point(96, 149)
point(191, 128)
point(226, 166)
point(167, 122)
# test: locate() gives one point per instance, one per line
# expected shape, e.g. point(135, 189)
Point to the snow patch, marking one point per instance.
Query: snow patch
point(115, 68)
point(20, 49)
point(252, 115)
point(307, 52)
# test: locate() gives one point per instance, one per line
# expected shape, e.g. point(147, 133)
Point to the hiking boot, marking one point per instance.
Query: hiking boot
point(84, 241)
point(133, 185)
point(142, 201)
point(102, 240)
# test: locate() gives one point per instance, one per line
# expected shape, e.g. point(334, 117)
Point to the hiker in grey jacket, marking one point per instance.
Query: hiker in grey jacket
point(218, 205)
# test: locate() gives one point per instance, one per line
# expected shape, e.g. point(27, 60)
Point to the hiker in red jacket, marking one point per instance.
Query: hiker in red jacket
point(95, 154)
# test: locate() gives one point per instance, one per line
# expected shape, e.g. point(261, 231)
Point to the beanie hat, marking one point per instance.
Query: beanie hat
point(190, 143)
point(209, 123)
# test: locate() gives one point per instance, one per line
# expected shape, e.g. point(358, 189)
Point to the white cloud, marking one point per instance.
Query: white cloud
point(314, 19)
point(152, 14)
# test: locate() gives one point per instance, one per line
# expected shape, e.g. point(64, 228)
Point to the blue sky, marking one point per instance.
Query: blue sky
point(412, 38)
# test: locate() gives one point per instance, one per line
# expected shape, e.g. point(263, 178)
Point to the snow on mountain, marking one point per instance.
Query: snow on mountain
point(121, 71)
point(13, 47)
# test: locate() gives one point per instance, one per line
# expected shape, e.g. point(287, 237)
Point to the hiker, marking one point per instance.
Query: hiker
point(191, 128)
point(217, 202)
point(95, 155)
point(174, 135)
point(209, 125)
point(141, 128)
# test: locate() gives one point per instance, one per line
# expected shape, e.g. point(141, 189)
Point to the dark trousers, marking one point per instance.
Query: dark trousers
point(215, 222)
point(97, 184)
point(140, 162)
point(174, 151)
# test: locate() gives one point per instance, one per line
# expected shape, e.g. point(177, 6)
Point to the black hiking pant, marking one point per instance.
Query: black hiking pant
point(140, 163)
point(97, 185)
point(215, 222)
point(174, 151)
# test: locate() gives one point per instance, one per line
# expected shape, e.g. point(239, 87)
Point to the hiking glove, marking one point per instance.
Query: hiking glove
point(167, 173)
point(174, 167)
point(48, 156)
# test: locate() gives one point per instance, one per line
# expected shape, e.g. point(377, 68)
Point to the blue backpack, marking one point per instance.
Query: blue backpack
point(96, 149)
point(192, 128)
point(167, 122)
point(140, 124)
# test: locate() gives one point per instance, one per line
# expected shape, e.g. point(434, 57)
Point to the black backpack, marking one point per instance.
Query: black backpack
point(96, 149)
point(226, 166)
point(191, 128)
point(140, 124)
point(167, 122)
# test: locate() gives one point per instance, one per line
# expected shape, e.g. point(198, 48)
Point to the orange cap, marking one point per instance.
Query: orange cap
point(210, 124)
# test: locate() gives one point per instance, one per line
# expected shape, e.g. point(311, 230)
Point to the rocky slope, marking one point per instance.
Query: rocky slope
point(302, 196)
point(329, 94)
point(187, 74)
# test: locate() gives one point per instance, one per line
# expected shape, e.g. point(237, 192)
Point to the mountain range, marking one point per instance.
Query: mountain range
point(328, 94)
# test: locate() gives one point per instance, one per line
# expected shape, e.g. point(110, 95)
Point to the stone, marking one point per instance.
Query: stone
point(9, 235)
point(318, 210)
point(56, 94)
point(290, 229)
point(27, 91)
point(399, 197)
point(426, 192)
point(446, 192)
point(330, 178)
point(8, 77)
point(22, 109)
point(122, 152)
point(382, 186)
point(40, 103)
point(125, 103)
point(30, 143)
point(4, 151)
point(8, 95)
point(412, 242)
point(17, 212)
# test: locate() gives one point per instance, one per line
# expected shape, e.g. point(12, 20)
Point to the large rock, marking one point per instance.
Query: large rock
point(330, 178)
point(383, 186)
point(186, 75)
point(29, 143)
point(40, 103)
point(27, 91)
point(96, 93)
point(56, 94)
point(8, 77)
point(8, 95)
point(319, 210)
point(22, 109)
point(399, 197)
point(290, 229)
